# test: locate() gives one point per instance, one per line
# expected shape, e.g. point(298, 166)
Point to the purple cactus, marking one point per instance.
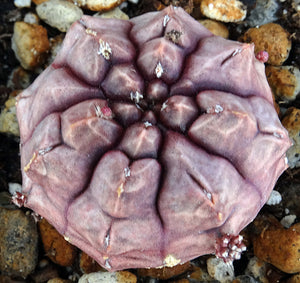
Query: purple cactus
point(146, 141)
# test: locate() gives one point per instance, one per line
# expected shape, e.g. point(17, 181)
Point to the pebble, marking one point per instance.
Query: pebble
point(288, 220)
point(56, 247)
point(224, 10)
point(30, 44)
point(257, 269)
point(164, 272)
point(263, 13)
point(31, 18)
point(291, 122)
point(111, 277)
point(59, 14)
point(275, 198)
point(88, 265)
point(8, 118)
point(98, 5)
point(14, 187)
point(271, 38)
point(215, 27)
point(18, 243)
point(22, 3)
point(220, 270)
point(115, 13)
point(284, 81)
point(277, 245)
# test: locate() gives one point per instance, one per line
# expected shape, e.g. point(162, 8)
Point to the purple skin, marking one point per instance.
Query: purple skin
point(146, 141)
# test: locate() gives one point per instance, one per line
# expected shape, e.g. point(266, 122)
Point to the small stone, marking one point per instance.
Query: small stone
point(284, 81)
point(59, 14)
point(215, 27)
point(279, 246)
point(88, 265)
point(288, 220)
point(271, 38)
point(263, 13)
point(112, 277)
point(55, 246)
point(18, 243)
point(275, 198)
point(98, 5)
point(31, 18)
point(257, 269)
point(14, 187)
point(30, 44)
point(115, 13)
point(164, 272)
point(224, 10)
point(8, 119)
point(22, 3)
point(291, 122)
point(220, 270)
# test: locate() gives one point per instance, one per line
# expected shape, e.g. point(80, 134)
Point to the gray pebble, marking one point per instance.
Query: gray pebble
point(257, 269)
point(288, 220)
point(220, 270)
point(263, 13)
point(18, 243)
point(275, 198)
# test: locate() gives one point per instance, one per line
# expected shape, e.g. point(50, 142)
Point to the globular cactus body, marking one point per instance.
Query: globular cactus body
point(147, 140)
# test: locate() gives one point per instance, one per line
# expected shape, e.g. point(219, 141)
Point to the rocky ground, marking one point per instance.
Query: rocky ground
point(32, 250)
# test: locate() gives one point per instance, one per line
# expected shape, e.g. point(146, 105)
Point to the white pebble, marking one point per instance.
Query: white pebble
point(275, 198)
point(220, 270)
point(59, 14)
point(116, 13)
point(288, 220)
point(224, 10)
point(31, 18)
point(14, 187)
point(22, 3)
